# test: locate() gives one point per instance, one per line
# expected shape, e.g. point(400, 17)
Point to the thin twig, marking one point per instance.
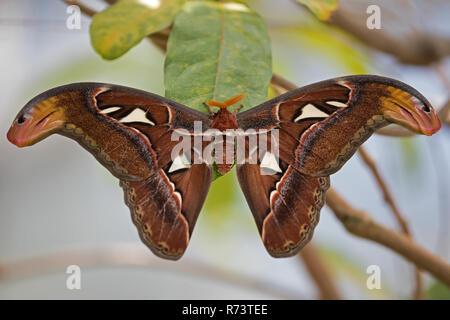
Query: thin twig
point(444, 113)
point(360, 224)
point(440, 166)
point(443, 75)
point(395, 131)
point(417, 48)
point(367, 159)
point(439, 163)
point(122, 254)
point(318, 271)
point(282, 82)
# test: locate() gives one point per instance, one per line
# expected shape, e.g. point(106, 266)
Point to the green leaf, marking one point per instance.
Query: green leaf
point(321, 8)
point(438, 291)
point(123, 25)
point(217, 50)
point(221, 198)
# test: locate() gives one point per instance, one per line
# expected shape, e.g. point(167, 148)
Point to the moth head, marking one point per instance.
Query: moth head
point(411, 110)
point(36, 121)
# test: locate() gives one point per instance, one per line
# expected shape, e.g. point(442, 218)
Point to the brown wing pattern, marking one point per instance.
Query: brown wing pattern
point(165, 205)
point(286, 203)
point(285, 206)
point(165, 208)
point(320, 126)
point(130, 132)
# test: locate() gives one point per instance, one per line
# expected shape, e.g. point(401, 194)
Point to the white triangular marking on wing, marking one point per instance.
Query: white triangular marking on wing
point(337, 104)
point(110, 109)
point(180, 162)
point(270, 162)
point(311, 111)
point(137, 115)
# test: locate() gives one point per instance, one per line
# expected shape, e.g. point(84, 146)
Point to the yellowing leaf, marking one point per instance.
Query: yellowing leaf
point(321, 8)
point(332, 45)
point(123, 25)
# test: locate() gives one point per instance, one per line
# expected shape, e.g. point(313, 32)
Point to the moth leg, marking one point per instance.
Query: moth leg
point(236, 110)
point(207, 106)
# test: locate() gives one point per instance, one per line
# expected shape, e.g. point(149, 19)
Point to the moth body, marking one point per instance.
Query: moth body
point(224, 120)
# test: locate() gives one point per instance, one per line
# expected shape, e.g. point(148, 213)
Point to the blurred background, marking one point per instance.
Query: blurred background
point(59, 207)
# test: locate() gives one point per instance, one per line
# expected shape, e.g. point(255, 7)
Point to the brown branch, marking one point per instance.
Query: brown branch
point(278, 90)
point(444, 113)
point(282, 82)
point(415, 47)
point(443, 75)
point(360, 224)
point(395, 131)
point(367, 159)
point(370, 163)
point(133, 255)
point(159, 40)
point(319, 273)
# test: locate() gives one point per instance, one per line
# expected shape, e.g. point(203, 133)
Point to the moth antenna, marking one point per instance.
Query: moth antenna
point(229, 102)
point(235, 99)
point(215, 103)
